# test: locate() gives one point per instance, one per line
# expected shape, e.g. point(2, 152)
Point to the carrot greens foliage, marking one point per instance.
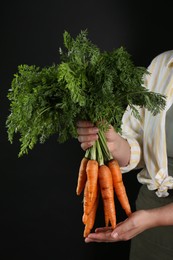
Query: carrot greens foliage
point(87, 84)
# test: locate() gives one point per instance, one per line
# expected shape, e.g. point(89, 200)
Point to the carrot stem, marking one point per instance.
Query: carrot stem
point(100, 157)
point(102, 140)
point(91, 153)
point(87, 153)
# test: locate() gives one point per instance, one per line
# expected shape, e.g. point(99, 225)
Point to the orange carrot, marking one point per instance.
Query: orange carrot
point(91, 217)
point(119, 186)
point(92, 177)
point(81, 176)
point(107, 192)
point(87, 202)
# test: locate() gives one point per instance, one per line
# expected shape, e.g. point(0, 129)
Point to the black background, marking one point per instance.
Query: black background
point(40, 213)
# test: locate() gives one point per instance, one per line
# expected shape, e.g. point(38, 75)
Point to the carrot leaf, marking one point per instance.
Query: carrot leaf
point(88, 84)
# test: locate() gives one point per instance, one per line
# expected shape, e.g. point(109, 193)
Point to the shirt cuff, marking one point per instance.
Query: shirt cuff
point(135, 155)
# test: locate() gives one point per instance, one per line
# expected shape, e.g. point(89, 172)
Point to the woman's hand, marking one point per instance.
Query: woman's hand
point(118, 146)
point(136, 223)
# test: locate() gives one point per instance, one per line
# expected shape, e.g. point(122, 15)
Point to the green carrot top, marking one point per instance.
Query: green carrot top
point(87, 84)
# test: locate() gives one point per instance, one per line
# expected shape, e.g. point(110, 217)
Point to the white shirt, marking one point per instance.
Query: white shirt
point(147, 136)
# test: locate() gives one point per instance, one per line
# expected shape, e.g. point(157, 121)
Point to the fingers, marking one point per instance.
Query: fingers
point(86, 145)
point(87, 134)
point(103, 229)
point(84, 124)
point(104, 236)
point(84, 132)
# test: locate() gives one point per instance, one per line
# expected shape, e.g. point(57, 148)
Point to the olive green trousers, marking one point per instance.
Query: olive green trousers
point(155, 243)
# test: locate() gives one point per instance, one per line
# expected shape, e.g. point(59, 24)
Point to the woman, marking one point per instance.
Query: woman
point(147, 144)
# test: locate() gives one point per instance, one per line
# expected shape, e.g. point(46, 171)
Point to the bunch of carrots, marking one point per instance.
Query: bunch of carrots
point(100, 175)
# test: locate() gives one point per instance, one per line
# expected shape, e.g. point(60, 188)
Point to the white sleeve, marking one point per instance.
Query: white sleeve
point(132, 131)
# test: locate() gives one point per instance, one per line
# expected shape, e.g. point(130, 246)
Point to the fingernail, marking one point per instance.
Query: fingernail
point(96, 130)
point(114, 234)
point(90, 144)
